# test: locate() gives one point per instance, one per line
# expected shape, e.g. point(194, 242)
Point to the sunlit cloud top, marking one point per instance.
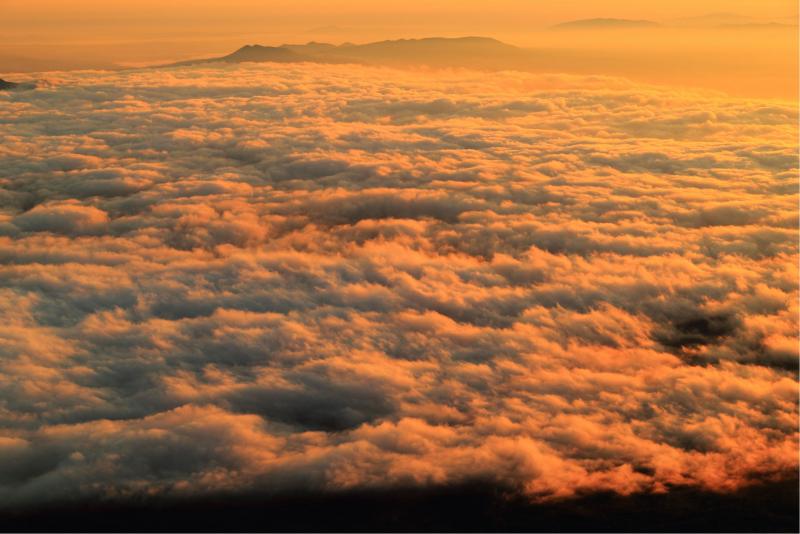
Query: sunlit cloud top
point(295, 276)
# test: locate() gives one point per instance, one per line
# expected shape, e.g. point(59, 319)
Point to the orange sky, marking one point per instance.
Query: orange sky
point(44, 35)
point(139, 18)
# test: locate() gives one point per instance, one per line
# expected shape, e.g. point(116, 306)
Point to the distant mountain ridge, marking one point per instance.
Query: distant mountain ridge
point(255, 53)
point(263, 53)
point(432, 50)
point(4, 85)
point(600, 54)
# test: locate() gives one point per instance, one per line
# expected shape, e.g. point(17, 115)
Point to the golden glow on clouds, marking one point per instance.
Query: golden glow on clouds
point(323, 277)
point(298, 276)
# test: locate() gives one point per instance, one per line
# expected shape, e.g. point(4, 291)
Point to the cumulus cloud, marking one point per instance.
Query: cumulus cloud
point(281, 277)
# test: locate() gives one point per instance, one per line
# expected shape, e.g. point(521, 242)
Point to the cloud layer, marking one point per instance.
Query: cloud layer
point(280, 277)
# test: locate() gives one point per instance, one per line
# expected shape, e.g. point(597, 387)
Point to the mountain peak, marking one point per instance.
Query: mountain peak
point(430, 50)
point(263, 53)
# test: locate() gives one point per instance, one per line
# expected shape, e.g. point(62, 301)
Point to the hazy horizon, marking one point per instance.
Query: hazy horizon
point(744, 48)
point(754, 62)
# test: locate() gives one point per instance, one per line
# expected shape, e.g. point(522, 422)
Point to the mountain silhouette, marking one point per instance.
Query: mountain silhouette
point(605, 24)
point(254, 53)
point(645, 63)
point(475, 51)
point(277, 54)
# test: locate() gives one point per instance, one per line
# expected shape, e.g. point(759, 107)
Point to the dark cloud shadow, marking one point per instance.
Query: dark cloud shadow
point(470, 507)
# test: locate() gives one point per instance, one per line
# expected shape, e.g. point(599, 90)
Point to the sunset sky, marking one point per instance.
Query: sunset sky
point(154, 15)
point(696, 45)
point(559, 266)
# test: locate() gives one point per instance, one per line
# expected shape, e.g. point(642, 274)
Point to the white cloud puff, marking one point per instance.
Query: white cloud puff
point(324, 277)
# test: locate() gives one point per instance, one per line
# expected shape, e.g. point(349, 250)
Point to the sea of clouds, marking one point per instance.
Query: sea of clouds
point(309, 277)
